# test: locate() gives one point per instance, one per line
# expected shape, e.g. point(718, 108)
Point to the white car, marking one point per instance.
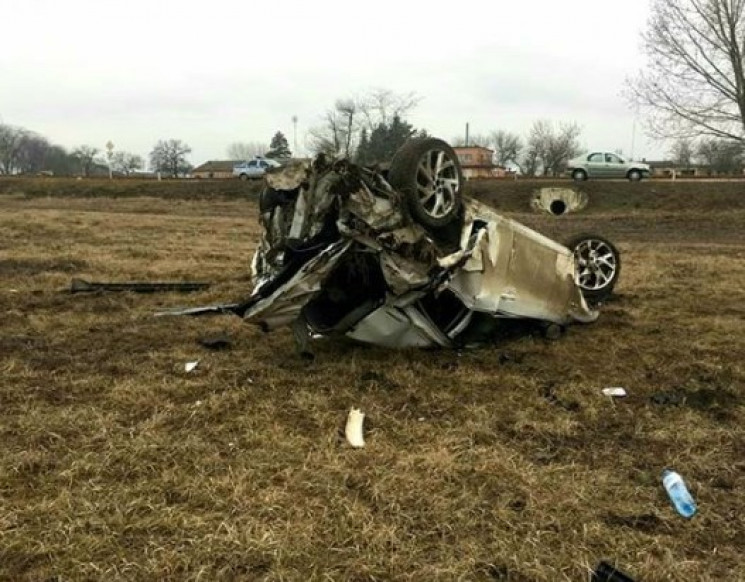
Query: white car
point(403, 259)
point(254, 169)
point(599, 164)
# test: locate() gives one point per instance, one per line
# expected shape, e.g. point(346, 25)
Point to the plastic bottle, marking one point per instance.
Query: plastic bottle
point(678, 493)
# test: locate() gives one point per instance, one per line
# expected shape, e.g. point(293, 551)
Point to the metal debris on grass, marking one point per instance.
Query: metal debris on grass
point(82, 286)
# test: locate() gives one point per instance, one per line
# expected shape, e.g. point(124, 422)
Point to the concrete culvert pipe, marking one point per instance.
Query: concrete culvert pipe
point(558, 201)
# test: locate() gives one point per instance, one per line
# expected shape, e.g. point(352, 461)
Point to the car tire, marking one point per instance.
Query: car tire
point(634, 175)
point(427, 172)
point(597, 265)
point(243, 177)
point(579, 175)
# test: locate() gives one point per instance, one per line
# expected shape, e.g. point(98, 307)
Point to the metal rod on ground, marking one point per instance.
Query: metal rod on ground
point(81, 286)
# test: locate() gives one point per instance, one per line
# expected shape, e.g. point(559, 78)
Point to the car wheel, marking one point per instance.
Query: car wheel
point(244, 177)
point(634, 176)
point(579, 175)
point(427, 172)
point(597, 265)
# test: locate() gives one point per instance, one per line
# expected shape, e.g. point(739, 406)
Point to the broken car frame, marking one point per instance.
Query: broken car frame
point(401, 258)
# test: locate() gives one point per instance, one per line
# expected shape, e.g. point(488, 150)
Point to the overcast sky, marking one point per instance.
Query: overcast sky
point(212, 73)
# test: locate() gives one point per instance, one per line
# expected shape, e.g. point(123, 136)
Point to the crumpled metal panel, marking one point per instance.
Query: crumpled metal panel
point(290, 176)
point(378, 213)
point(514, 271)
point(402, 274)
point(398, 328)
point(284, 305)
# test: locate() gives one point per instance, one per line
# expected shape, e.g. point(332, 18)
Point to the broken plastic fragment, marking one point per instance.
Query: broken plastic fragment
point(353, 430)
point(190, 366)
point(615, 391)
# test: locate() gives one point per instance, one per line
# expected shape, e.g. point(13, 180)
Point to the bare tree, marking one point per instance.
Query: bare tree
point(85, 155)
point(325, 138)
point(682, 152)
point(11, 140)
point(723, 157)
point(695, 81)
point(59, 161)
point(507, 147)
point(531, 160)
point(382, 105)
point(337, 134)
point(347, 109)
point(169, 156)
point(32, 153)
point(340, 130)
point(549, 149)
point(246, 150)
point(126, 163)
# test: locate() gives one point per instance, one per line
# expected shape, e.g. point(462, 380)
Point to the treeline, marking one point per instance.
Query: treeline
point(372, 127)
point(545, 150)
point(25, 152)
point(720, 156)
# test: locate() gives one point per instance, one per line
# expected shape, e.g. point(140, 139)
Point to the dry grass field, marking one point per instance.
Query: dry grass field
point(502, 463)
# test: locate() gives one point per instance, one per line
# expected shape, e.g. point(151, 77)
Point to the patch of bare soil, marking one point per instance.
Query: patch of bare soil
point(502, 463)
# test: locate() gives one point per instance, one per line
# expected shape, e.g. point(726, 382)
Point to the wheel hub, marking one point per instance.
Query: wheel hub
point(440, 180)
point(596, 265)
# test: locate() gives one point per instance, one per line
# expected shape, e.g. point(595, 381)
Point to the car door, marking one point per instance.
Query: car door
point(253, 169)
point(614, 166)
point(596, 165)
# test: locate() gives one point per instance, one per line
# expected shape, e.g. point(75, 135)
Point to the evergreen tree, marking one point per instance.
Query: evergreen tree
point(384, 140)
point(279, 148)
point(363, 149)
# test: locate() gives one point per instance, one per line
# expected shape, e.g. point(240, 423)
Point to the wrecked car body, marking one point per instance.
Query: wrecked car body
point(401, 258)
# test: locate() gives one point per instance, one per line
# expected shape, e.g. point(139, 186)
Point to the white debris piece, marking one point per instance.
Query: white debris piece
point(191, 366)
point(353, 430)
point(615, 391)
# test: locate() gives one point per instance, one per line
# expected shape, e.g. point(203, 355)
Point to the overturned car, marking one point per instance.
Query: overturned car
point(400, 258)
